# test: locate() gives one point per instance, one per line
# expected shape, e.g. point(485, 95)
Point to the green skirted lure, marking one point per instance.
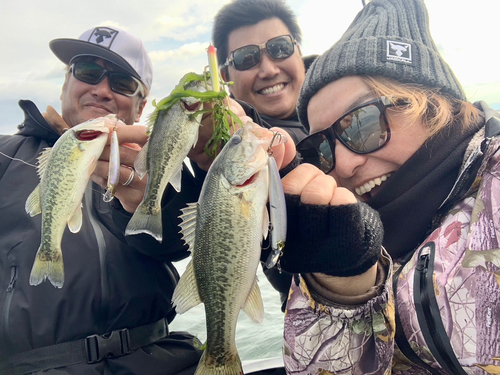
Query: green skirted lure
point(220, 114)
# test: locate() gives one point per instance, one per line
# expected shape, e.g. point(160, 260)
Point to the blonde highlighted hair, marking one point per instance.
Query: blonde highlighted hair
point(436, 110)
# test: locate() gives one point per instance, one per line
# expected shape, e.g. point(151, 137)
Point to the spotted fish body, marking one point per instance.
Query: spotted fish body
point(224, 230)
point(64, 172)
point(174, 134)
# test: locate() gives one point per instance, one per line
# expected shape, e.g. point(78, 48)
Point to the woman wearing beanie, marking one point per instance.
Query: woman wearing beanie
point(394, 213)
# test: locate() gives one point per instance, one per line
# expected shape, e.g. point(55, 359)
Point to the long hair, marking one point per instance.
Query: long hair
point(435, 109)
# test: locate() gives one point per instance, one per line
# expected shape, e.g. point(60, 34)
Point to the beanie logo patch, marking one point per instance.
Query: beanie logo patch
point(104, 36)
point(399, 52)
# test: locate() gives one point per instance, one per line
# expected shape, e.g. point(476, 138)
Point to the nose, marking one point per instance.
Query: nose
point(267, 66)
point(102, 89)
point(346, 161)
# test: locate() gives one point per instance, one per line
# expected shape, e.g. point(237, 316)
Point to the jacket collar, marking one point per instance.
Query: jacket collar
point(34, 124)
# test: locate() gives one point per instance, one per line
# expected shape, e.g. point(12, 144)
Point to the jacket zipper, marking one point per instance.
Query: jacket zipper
point(8, 300)
point(428, 313)
point(101, 246)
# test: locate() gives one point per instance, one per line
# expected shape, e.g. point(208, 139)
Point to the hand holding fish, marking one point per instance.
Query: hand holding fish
point(130, 188)
point(55, 120)
point(198, 154)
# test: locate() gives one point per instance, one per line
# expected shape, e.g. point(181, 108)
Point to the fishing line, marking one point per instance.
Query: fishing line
point(16, 159)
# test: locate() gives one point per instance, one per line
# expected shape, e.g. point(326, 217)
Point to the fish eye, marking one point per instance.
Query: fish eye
point(236, 139)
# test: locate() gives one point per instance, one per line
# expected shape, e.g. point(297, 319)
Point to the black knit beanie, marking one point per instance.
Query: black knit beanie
point(389, 38)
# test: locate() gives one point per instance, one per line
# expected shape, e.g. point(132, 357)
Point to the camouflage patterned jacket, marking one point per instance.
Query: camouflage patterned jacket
point(447, 319)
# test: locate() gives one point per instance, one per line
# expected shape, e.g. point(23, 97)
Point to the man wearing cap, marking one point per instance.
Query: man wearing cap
point(111, 315)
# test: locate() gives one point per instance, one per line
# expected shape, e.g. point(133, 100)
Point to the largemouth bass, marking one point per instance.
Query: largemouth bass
point(174, 132)
point(224, 231)
point(64, 172)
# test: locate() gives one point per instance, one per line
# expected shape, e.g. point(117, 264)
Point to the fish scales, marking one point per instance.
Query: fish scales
point(167, 143)
point(173, 135)
point(231, 221)
point(64, 173)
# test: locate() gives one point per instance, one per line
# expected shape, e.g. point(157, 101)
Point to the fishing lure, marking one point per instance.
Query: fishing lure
point(277, 208)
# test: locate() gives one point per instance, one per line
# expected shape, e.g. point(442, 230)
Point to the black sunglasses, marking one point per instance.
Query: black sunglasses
point(246, 57)
point(362, 130)
point(92, 73)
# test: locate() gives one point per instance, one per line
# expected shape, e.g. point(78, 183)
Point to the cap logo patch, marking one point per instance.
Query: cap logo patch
point(398, 52)
point(104, 36)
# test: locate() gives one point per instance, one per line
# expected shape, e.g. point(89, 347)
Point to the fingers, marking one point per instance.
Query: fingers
point(54, 120)
point(134, 134)
point(314, 187)
point(285, 152)
point(130, 189)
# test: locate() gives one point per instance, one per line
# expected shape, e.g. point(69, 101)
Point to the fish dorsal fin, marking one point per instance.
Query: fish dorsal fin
point(140, 163)
point(186, 295)
point(254, 307)
point(42, 161)
point(33, 206)
point(265, 223)
point(188, 224)
point(176, 179)
point(75, 223)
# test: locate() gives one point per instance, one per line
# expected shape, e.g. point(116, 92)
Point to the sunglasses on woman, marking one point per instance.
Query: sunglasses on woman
point(246, 57)
point(362, 130)
point(92, 73)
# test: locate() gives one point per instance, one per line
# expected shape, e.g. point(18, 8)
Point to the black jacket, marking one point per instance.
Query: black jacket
point(112, 281)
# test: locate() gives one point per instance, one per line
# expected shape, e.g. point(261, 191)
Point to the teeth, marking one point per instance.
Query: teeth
point(368, 186)
point(272, 90)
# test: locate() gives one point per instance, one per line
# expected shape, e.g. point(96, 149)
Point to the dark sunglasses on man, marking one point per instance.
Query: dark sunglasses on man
point(362, 130)
point(92, 73)
point(246, 57)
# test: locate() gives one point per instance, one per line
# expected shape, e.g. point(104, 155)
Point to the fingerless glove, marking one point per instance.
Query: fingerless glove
point(341, 240)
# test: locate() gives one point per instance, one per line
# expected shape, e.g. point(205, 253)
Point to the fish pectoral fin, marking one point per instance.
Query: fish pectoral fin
point(75, 222)
point(265, 223)
point(33, 206)
point(140, 163)
point(176, 179)
point(254, 307)
point(186, 294)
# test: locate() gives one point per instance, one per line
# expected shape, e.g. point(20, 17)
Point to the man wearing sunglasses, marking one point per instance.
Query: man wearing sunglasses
point(258, 47)
point(111, 315)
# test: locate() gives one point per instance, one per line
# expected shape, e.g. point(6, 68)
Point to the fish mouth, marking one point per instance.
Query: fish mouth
point(87, 135)
point(191, 107)
point(248, 181)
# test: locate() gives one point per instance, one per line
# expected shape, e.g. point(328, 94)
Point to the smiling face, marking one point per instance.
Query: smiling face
point(81, 101)
point(363, 174)
point(272, 86)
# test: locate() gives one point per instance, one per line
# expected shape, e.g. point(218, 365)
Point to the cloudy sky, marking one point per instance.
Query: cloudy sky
point(177, 33)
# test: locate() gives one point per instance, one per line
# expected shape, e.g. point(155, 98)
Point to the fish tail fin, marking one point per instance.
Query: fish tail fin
point(149, 223)
point(51, 268)
point(231, 366)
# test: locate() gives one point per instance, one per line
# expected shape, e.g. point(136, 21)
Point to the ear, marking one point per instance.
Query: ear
point(224, 73)
point(298, 48)
point(140, 108)
point(65, 84)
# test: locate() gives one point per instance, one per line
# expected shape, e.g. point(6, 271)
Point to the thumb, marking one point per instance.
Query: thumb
point(55, 120)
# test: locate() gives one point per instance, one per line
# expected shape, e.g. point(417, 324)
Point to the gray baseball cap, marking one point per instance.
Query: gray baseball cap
point(112, 44)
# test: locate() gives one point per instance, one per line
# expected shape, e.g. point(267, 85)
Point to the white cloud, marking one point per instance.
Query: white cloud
point(177, 32)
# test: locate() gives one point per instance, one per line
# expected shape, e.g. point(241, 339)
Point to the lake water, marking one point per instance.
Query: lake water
point(254, 341)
